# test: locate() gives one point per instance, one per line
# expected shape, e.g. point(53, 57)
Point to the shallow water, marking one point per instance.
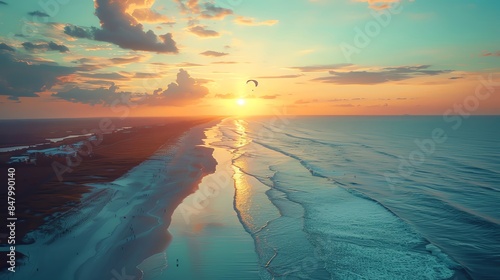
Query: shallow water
point(208, 240)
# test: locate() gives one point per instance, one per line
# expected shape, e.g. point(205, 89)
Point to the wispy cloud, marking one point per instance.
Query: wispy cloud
point(226, 62)
point(205, 11)
point(126, 60)
point(305, 101)
point(252, 22)
point(321, 68)
point(213, 53)
point(50, 46)
point(269, 96)
point(383, 75)
point(105, 76)
point(189, 6)
point(485, 53)
point(202, 31)
point(211, 11)
point(226, 96)
point(188, 64)
point(344, 105)
point(38, 14)
point(379, 4)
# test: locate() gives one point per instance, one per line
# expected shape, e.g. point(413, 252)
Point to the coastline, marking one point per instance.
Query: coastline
point(40, 196)
point(208, 238)
point(126, 217)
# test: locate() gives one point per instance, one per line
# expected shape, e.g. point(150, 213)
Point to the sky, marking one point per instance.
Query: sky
point(68, 58)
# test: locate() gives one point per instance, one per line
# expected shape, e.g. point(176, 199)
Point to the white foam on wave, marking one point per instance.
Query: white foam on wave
point(350, 236)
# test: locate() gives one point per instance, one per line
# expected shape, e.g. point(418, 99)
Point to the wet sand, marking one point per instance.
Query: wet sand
point(208, 240)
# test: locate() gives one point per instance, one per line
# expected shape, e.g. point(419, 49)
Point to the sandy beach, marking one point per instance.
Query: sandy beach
point(126, 217)
point(40, 194)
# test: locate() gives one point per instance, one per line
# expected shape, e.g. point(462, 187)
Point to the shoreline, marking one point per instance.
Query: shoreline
point(208, 238)
point(40, 196)
point(128, 217)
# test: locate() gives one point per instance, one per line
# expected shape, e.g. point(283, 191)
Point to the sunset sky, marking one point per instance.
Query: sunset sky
point(68, 58)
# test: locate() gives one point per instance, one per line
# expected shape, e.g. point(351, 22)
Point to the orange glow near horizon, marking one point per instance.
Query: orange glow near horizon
point(308, 99)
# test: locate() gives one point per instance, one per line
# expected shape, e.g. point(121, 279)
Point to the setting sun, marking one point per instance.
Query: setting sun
point(241, 102)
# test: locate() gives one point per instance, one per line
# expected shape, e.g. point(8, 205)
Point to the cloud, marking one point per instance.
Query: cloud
point(125, 60)
point(51, 46)
point(38, 14)
point(121, 28)
point(191, 6)
point(204, 11)
point(91, 63)
point(213, 53)
point(225, 62)
point(280, 77)
point(344, 99)
point(201, 31)
point(79, 32)
point(226, 96)
point(6, 47)
point(184, 91)
point(105, 76)
point(141, 75)
point(268, 96)
point(251, 21)
point(23, 78)
point(55, 47)
point(346, 105)
point(383, 75)
point(306, 101)
point(213, 12)
point(99, 96)
point(99, 83)
point(188, 64)
point(485, 53)
point(378, 105)
point(321, 68)
point(148, 15)
point(380, 4)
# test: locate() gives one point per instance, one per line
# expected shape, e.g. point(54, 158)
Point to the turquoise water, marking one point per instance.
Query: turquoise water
point(369, 197)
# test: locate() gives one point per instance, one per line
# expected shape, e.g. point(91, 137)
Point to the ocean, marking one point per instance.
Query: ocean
point(286, 197)
point(368, 197)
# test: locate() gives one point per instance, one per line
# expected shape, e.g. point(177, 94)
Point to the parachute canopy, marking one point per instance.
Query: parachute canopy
point(253, 81)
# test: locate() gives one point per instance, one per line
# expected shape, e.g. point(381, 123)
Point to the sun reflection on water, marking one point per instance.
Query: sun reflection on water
point(243, 196)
